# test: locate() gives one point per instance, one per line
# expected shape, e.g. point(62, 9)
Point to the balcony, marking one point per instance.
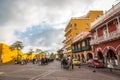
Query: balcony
point(112, 36)
point(76, 50)
point(68, 51)
point(68, 46)
point(68, 31)
point(86, 48)
point(108, 14)
point(68, 39)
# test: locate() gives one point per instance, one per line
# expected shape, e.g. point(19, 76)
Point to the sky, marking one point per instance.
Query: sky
point(40, 24)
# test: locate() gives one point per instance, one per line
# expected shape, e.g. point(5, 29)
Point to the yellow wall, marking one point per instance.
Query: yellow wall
point(8, 55)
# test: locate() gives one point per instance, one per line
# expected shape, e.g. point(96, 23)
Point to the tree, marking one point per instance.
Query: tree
point(52, 55)
point(19, 46)
point(31, 51)
point(38, 51)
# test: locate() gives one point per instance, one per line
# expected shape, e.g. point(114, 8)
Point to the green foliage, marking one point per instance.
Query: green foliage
point(17, 45)
point(52, 55)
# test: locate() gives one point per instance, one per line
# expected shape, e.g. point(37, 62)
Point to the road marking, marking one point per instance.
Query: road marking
point(41, 75)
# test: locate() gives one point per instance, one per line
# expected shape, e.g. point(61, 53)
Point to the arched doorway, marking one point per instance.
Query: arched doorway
point(75, 56)
point(78, 57)
point(111, 57)
point(111, 54)
point(89, 56)
point(100, 57)
point(82, 58)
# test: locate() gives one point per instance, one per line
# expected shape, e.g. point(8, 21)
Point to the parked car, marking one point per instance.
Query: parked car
point(76, 62)
point(95, 63)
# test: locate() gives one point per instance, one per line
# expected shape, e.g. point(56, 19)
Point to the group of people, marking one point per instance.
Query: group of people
point(66, 62)
point(42, 61)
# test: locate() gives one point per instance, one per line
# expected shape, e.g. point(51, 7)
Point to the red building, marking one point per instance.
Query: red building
point(105, 33)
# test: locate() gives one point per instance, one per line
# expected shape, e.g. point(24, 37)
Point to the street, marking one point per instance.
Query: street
point(53, 71)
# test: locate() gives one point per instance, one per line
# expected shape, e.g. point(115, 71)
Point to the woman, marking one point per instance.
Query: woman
point(110, 64)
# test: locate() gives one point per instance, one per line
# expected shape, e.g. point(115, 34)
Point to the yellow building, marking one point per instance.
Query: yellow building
point(76, 26)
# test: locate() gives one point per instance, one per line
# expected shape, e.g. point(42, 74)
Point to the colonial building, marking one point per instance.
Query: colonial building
point(106, 35)
point(76, 26)
point(81, 48)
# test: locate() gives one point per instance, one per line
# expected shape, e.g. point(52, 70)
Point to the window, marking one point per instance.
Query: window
point(78, 45)
point(75, 26)
point(83, 44)
point(87, 26)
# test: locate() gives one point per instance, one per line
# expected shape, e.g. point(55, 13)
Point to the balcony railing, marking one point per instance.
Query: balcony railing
point(68, 51)
point(86, 48)
point(68, 39)
point(76, 50)
point(113, 35)
point(68, 46)
point(109, 13)
point(68, 30)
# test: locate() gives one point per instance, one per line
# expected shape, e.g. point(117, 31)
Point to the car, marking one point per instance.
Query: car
point(76, 62)
point(95, 63)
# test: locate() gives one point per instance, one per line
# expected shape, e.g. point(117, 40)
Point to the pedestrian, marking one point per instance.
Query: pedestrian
point(69, 61)
point(94, 69)
point(110, 65)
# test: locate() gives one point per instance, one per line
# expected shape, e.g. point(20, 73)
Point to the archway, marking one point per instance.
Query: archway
point(75, 56)
point(89, 56)
point(111, 54)
point(111, 57)
point(100, 57)
point(78, 57)
point(82, 58)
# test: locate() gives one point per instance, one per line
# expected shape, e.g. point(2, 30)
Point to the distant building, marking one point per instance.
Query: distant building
point(106, 35)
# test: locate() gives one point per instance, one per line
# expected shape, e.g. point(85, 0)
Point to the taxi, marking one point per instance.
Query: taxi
point(76, 62)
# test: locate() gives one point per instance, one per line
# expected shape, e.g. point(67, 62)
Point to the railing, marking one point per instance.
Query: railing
point(113, 35)
point(68, 51)
point(68, 46)
point(76, 50)
point(68, 30)
point(88, 47)
point(109, 13)
point(68, 39)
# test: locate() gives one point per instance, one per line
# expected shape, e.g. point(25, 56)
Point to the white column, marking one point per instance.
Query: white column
point(118, 25)
point(107, 29)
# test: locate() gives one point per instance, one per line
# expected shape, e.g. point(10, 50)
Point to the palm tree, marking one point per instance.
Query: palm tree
point(19, 46)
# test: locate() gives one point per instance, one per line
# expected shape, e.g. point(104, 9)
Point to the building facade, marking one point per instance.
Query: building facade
point(76, 26)
point(81, 48)
point(106, 36)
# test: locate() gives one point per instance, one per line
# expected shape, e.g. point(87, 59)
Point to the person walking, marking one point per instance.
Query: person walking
point(110, 65)
point(69, 61)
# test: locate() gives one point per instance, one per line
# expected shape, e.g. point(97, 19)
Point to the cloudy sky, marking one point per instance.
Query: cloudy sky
point(41, 23)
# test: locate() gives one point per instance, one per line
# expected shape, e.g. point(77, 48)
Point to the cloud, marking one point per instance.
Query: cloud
point(42, 36)
point(41, 23)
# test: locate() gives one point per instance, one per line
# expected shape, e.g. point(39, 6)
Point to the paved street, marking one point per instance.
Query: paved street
point(53, 71)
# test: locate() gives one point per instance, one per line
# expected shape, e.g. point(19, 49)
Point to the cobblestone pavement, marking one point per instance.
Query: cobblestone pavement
point(53, 71)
